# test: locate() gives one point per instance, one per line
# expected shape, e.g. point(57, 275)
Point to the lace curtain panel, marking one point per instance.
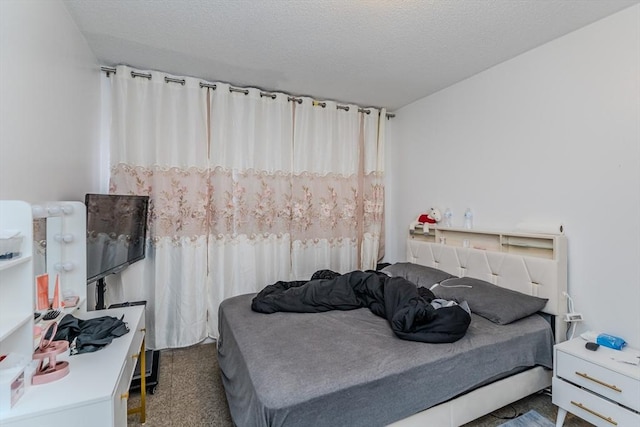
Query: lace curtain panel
point(245, 190)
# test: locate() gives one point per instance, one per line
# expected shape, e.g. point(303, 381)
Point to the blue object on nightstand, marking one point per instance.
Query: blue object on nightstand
point(611, 341)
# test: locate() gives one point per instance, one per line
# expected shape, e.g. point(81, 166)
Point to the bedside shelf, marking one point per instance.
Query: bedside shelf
point(546, 246)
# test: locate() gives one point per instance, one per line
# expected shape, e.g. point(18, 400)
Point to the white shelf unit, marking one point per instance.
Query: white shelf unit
point(548, 246)
point(16, 283)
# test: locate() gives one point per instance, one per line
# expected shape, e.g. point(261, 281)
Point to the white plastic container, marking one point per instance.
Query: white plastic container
point(448, 218)
point(10, 247)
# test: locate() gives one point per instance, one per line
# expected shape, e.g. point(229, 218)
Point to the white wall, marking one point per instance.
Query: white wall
point(550, 136)
point(50, 104)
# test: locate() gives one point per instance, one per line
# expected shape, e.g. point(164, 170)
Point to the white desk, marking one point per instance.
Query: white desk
point(96, 390)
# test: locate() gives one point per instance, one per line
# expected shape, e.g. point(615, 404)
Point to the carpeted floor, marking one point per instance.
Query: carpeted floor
point(190, 393)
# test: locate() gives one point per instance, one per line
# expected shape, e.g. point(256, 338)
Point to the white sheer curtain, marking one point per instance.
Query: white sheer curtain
point(247, 188)
point(325, 167)
point(251, 148)
point(159, 148)
point(372, 184)
point(337, 188)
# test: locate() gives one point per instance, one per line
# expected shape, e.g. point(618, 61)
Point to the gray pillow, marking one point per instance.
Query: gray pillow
point(492, 302)
point(421, 275)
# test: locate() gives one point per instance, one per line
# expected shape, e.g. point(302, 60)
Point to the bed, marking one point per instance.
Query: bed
point(348, 368)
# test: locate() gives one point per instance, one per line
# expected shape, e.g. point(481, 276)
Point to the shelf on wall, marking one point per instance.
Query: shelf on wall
point(543, 245)
point(11, 324)
point(8, 263)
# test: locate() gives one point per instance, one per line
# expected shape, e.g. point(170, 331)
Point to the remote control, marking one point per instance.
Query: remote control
point(51, 314)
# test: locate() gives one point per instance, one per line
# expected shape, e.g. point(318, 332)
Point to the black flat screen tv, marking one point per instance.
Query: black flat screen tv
point(116, 233)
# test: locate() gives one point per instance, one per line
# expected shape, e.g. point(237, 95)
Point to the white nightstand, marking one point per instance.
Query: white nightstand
point(593, 386)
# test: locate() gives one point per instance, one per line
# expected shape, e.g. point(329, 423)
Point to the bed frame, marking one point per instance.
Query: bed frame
point(531, 263)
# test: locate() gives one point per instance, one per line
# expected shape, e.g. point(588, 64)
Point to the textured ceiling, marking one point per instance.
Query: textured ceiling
point(383, 53)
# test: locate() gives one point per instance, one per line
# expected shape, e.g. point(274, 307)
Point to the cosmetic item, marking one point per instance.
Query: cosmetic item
point(57, 301)
point(71, 300)
point(49, 369)
point(42, 286)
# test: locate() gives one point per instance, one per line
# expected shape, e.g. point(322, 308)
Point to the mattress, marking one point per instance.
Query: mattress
point(348, 368)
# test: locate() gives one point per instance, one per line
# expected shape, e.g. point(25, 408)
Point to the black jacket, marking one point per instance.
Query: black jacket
point(89, 335)
point(406, 307)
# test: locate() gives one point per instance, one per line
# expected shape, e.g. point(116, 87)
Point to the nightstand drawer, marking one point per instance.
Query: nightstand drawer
point(591, 407)
point(605, 382)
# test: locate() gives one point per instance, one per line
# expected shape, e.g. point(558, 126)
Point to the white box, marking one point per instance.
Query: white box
point(12, 380)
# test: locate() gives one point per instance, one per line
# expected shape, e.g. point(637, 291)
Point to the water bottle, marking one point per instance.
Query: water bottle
point(468, 219)
point(448, 218)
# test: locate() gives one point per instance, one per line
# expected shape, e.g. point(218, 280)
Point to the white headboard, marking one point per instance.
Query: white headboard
point(534, 264)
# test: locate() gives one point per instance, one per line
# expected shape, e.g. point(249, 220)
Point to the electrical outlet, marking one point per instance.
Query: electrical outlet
point(573, 317)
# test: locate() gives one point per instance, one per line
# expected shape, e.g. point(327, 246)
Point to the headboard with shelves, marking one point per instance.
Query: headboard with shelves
point(531, 263)
point(520, 243)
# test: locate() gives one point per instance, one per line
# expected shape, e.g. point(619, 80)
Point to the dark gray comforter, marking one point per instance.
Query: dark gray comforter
point(347, 368)
point(409, 313)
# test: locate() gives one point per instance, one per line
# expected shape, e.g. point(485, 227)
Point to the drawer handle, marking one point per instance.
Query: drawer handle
point(143, 329)
point(591, 411)
point(126, 395)
point(612, 387)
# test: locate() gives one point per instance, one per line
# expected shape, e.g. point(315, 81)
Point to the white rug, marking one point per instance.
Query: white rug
point(530, 419)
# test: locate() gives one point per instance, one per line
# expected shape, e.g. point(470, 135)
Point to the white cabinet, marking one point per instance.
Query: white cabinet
point(95, 391)
point(595, 385)
point(16, 283)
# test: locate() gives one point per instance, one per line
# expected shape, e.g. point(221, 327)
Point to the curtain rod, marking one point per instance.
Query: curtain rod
point(134, 74)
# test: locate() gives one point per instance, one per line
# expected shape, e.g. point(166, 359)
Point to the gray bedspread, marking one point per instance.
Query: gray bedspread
point(346, 368)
